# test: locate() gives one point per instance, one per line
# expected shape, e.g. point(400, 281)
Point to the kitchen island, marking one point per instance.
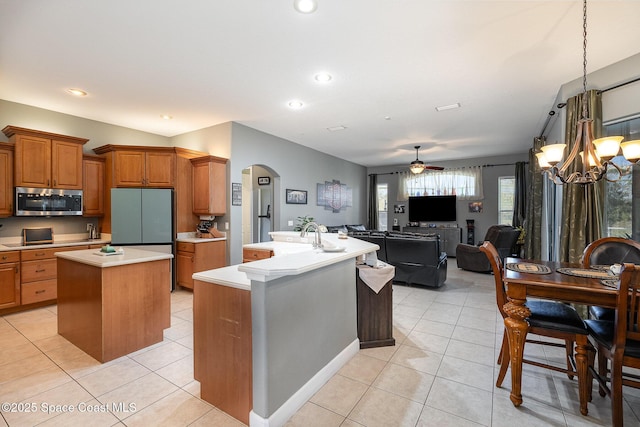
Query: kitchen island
point(298, 311)
point(110, 306)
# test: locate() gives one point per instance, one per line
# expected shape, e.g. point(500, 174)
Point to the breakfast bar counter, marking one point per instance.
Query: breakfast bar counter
point(289, 323)
point(113, 305)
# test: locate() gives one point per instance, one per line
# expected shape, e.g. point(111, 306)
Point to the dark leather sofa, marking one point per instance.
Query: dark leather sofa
point(416, 257)
point(503, 237)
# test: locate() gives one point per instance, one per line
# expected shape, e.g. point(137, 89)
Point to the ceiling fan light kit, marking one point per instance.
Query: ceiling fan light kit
point(599, 152)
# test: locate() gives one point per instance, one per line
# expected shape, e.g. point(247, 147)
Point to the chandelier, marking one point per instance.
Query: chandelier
point(599, 152)
point(417, 166)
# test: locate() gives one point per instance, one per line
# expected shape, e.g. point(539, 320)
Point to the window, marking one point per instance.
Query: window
point(506, 196)
point(465, 183)
point(620, 207)
point(382, 206)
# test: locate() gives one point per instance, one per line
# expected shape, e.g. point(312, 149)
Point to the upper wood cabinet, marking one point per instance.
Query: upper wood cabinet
point(46, 160)
point(93, 185)
point(6, 179)
point(209, 185)
point(136, 166)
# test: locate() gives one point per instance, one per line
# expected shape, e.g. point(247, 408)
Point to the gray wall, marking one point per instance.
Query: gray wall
point(484, 219)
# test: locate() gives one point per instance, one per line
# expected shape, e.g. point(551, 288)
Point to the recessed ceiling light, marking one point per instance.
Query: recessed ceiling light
point(336, 128)
point(305, 6)
point(77, 92)
point(323, 77)
point(295, 104)
point(166, 116)
point(448, 107)
point(387, 117)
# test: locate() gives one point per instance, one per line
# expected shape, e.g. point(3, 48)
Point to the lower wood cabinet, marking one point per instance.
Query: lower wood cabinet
point(9, 279)
point(251, 254)
point(39, 274)
point(195, 257)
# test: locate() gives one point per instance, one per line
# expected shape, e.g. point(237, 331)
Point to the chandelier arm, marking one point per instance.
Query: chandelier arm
point(574, 149)
point(588, 143)
point(620, 172)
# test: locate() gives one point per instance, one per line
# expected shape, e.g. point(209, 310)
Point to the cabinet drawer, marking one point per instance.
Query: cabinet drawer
point(249, 255)
point(42, 290)
point(186, 247)
point(39, 270)
point(13, 256)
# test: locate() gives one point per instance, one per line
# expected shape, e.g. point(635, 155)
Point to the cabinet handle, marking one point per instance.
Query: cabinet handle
point(4, 257)
point(47, 183)
point(41, 270)
point(192, 259)
point(17, 270)
point(42, 291)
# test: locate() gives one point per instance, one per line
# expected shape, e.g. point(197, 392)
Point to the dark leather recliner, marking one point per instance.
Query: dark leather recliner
point(503, 237)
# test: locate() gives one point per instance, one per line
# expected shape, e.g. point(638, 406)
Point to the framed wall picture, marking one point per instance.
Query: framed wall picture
point(264, 180)
point(236, 194)
point(296, 197)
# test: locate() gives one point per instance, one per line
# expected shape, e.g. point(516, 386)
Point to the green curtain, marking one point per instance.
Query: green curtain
point(582, 205)
point(533, 217)
point(372, 213)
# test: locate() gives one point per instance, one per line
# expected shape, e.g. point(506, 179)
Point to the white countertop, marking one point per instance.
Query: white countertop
point(227, 276)
point(190, 237)
point(130, 256)
point(290, 258)
point(18, 246)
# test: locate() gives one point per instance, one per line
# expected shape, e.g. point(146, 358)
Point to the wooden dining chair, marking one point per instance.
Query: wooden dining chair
point(607, 251)
point(548, 318)
point(618, 342)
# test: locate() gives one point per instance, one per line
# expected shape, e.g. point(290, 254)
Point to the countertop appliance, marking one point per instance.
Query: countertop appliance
point(37, 236)
point(47, 202)
point(143, 218)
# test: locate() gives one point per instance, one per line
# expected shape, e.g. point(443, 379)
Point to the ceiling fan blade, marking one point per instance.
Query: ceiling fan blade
point(435, 168)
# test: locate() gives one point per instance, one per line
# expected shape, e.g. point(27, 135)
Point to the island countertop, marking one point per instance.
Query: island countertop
point(293, 255)
point(130, 256)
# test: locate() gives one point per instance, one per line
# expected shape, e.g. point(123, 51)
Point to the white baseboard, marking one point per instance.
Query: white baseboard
point(299, 398)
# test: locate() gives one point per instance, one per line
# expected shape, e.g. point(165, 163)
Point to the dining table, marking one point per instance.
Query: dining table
point(565, 282)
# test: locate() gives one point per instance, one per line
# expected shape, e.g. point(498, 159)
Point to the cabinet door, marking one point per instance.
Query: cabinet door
point(209, 188)
point(66, 165)
point(93, 188)
point(184, 266)
point(159, 169)
point(6, 183)
point(210, 255)
point(9, 279)
point(129, 168)
point(33, 162)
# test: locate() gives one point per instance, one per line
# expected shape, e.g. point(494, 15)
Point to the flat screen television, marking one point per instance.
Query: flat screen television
point(432, 208)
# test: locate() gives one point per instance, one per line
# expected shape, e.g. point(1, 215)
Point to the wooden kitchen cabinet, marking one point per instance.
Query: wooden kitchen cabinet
point(6, 180)
point(93, 186)
point(250, 254)
point(138, 166)
point(195, 257)
point(209, 185)
point(9, 279)
point(39, 273)
point(46, 160)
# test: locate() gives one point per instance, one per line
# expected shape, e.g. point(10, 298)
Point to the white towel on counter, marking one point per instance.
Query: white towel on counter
point(378, 276)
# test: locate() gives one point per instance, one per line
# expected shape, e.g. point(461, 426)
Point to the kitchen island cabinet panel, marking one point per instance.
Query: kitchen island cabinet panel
point(195, 257)
point(222, 347)
point(109, 312)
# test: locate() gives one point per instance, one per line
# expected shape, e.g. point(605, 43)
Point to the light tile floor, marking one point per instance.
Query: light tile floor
point(441, 372)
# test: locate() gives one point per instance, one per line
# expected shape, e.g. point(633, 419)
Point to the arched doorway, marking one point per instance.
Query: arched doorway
point(260, 188)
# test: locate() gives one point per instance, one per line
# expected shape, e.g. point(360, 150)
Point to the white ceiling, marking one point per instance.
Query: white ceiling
point(206, 62)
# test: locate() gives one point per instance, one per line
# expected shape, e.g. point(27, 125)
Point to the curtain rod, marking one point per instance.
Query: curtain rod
point(563, 104)
point(463, 167)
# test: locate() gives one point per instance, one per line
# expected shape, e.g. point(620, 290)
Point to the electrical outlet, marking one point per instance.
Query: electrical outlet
point(290, 223)
point(226, 225)
point(88, 226)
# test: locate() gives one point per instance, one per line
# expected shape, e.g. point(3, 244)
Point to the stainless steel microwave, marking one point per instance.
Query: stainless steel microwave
point(48, 202)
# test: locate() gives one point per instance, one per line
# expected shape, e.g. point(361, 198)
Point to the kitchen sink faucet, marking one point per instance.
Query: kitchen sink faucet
point(317, 241)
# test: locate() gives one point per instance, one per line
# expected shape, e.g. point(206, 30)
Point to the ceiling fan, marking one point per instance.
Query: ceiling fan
point(418, 166)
